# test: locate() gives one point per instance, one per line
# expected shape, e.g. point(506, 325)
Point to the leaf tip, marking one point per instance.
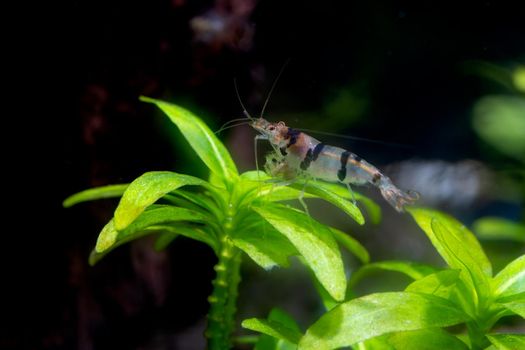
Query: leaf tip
point(107, 237)
point(146, 99)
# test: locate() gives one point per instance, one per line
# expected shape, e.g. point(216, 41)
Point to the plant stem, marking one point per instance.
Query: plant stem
point(221, 317)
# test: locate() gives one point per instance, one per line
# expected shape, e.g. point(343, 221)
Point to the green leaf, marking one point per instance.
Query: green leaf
point(314, 242)
point(459, 248)
point(507, 341)
point(201, 139)
point(328, 302)
point(272, 328)
point(352, 245)
point(110, 191)
point(440, 284)
point(495, 228)
point(510, 280)
point(376, 314)
point(428, 339)
point(262, 242)
point(517, 307)
point(408, 268)
point(165, 239)
point(146, 190)
point(267, 342)
point(155, 215)
point(372, 208)
point(203, 201)
point(317, 189)
point(459, 239)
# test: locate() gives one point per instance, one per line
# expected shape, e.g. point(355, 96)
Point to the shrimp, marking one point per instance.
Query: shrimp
point(297, 153)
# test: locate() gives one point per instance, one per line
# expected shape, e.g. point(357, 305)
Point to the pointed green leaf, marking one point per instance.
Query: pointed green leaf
point(499, 228)
point(267, 342)
point(146, 190)
point(517, 307)
point(457, 245)
point(408, 268)
point(461, 250)
point(155, 215)
point(507, 341)
point(375, 314)
point(463, 259)
point(510, 280)
point(272, 328)
point(201, 138)
point(110, 191)
point(441, 284)
point(352, 245)
point(107, 237)
point(428, 339)
point(314, 242)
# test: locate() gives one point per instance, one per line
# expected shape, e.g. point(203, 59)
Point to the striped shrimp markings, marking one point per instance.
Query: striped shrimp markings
point(297, 154)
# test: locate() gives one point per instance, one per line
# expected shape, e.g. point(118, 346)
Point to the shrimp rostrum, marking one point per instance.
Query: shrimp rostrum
point(298, 154)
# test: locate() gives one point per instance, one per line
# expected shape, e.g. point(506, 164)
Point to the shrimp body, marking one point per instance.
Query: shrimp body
point(300, 154)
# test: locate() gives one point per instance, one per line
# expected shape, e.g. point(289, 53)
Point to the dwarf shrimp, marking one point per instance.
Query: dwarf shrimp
point(298, 154)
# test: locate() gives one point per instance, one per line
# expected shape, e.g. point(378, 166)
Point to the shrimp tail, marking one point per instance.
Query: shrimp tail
point(395, 197)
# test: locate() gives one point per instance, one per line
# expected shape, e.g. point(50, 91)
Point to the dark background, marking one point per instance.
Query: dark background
point(402, 73)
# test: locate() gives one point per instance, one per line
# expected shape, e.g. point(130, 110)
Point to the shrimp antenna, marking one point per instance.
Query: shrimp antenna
point(273, 86)
point(244, 111)
point(356, 138)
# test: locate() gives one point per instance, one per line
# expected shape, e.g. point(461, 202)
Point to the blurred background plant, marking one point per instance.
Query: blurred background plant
point(441, 85)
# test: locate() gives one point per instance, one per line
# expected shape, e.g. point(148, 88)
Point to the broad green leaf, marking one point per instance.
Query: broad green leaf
point(156, 215)
point(272, 328)
point(460, 249)
point(428, 339)
point(465, 260)
point(267, 342)
point(507, 341)
point(376, 314)
point(146, 190)
point(352, 245)
point(262, 242)
point(314, 242)
point(110, 191)
point(510, 280)
point(313, 187)
point(495, 228)
point(459, 240)
point(440, 284)
point(201, 139)
point(408, 268)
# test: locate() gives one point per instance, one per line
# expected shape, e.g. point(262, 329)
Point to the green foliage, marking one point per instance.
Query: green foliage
point(236, 213)
point(231, 213)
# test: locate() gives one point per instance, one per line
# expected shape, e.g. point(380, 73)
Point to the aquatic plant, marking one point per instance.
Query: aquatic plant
point(236, 214)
